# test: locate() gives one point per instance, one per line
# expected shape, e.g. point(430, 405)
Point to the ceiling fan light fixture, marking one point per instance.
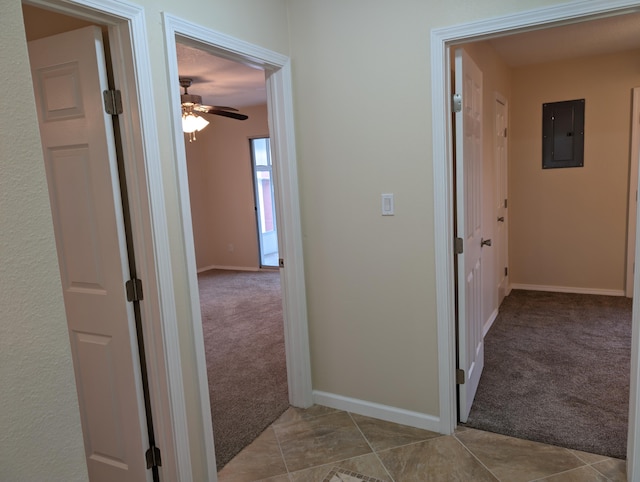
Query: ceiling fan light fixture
point(192, 123)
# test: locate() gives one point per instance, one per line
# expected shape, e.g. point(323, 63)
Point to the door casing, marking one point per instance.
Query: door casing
point(140, 145)
point(280, 117)
point(442, 39)
point(632, 202)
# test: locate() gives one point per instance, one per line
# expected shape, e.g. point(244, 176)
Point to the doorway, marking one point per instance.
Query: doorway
point(264, 196)
point(442, 39)
point(240, 303)
point(544, 210)
point(93, 351)
point(280, 117)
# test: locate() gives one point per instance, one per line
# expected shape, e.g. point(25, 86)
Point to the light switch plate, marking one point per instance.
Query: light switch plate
point(387, 204)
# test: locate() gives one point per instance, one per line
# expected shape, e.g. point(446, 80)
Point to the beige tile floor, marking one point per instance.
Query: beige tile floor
point(326, 445)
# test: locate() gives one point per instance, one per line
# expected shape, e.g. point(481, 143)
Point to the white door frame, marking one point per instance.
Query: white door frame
point(281, 132)
point(140, 144)
point(502, 187)
point(441, 41)
point(632, 202)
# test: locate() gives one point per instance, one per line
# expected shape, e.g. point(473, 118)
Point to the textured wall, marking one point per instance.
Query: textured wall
point(569, 226)
point(221, 190)
point(40, 434)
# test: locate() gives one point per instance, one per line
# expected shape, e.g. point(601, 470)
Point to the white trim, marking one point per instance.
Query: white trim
point(499, 98)
point(441, 40)
point(567, 289)
point(227, 268)
point(632, 202)
point(489, 323)
point(280, 107)
point(294, 298)
point(377, 410)
point(128, 36)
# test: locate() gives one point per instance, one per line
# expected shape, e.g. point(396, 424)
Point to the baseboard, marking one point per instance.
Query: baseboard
point(229, 268)
point(379, 411)
point(567, 289)
point(489, 323)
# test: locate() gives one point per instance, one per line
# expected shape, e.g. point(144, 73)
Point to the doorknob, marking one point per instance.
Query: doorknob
point(485, 242)
point(501, 219)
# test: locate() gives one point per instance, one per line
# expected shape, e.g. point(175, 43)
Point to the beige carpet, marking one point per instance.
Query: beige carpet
point(557, 370)
point(244, 345)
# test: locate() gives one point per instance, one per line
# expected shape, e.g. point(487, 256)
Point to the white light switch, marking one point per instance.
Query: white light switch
point(387, 204)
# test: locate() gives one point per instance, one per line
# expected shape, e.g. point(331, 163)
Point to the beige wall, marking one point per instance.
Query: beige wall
point(568, 226)
point(40, 433)
point(362, 99)
point(38, 413)
point(363, 127)
point(221, 190)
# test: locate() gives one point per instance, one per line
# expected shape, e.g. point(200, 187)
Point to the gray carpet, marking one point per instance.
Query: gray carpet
point(557, 371)
point(246, 364)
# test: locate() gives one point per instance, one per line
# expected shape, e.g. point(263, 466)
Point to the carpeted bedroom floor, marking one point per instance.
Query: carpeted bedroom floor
point(557, 370)
point(244, 344)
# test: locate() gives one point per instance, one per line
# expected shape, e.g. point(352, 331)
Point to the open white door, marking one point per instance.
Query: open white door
point(468, 120)
point(69, 76)
point(501, 236)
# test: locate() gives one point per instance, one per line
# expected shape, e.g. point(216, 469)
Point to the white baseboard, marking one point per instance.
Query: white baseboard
point(229, 268)
point(379, 411)
point(567, 289)
point(489, 323)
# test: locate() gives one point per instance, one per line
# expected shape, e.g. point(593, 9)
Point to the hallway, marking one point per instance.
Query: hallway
point(321, 444)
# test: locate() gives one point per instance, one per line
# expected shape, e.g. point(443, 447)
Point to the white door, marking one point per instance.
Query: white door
point(633, 192)
point(501, 237)
point(69, 76)
point(468, 121)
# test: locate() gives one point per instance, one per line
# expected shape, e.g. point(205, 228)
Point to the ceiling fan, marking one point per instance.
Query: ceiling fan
point(193, 103)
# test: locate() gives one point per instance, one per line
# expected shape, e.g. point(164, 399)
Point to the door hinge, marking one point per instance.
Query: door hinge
point(281, 262)
point(112, 102)
point(505, 132)
point(458, 246)
point(153, 457)
point(460, 377)
point(456, 103)
point(506, 271)
point(505, 203)
point(134, 290)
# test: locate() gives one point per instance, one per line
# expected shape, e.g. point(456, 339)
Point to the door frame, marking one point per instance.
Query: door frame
point(502, 249)
point(140, 144)
point(442, 39)
point(632, 203)
point(281, 132)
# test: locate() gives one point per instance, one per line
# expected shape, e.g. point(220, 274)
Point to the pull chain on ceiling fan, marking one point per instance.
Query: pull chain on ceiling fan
point(192, 104)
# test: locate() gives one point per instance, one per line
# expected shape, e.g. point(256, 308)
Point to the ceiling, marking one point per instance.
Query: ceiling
point(224, 82)
point(601, 36)
point(220, 81)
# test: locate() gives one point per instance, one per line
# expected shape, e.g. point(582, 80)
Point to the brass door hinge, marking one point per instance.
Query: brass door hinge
point(458, 245)
point(112, 102)
point(134, 290)
point(153, 457)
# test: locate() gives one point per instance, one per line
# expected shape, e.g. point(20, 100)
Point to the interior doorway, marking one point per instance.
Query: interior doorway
point(230, 173)
point(442, 40)
point(94, 352)
point(280, 119)
point(264, 196)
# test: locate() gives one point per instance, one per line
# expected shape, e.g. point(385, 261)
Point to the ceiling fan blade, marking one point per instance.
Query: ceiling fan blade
point(226, 113)
point(204, 108)
point(222, 107)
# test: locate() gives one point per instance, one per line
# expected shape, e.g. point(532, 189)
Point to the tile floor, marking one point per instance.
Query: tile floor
point(326, 445)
